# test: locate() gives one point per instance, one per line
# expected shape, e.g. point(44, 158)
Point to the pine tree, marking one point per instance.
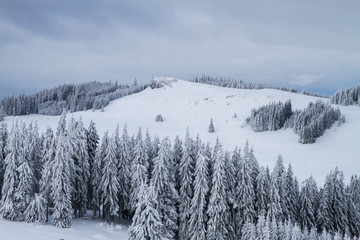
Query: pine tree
point(109, 184)
point(308, 197)
point(274, 208)
point(146, 222)
point(211, 127)
point(198, 218)
point(81, 170)
point(92, 141)
point(48, 155)
point(291, 199)
point(248, 231)
point(274, 229)
point(62, 188)
point(332, 208)
point(245, 190)
point(262, 191)
point(260, 225)
point(124, 167)
point(3, 140)
point(36, 211)
point(217, 209)
point(177, 155)
point(139, 174)
point(11, 176)
point(186, 173)
point(296, 233)
point(164, 184)
point(97, 172)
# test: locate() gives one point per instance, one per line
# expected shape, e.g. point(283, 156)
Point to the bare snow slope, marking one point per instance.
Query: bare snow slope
point(184, 104)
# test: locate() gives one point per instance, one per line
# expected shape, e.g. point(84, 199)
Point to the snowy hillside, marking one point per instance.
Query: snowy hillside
point(184, 104)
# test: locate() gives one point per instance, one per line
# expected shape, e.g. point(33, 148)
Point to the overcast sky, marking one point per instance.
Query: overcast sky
point(313, 45)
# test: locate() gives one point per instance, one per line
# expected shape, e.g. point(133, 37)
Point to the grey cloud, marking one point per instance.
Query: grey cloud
point(45, 43)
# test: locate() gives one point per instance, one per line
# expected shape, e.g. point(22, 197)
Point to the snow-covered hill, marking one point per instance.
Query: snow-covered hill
point(185, 104)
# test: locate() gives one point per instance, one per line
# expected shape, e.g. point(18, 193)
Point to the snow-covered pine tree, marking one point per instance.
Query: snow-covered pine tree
point(92, 141)
point(353, 205)
point(308, 196)
point(81, 172)
point(296, 233)
point(124, 159)
point(279, 174)
point(245, 191)
point(211, 128)
point(274, 230)
point(3, 137)
point(146, 222)
point(36, 211)
point(274, 208)
point(291, 200)
point(177, 155)
point(217, 225)
point(198, 218)
point(25, 188)
point(149, 148)
point(164, 184)
point(48, 156)
point(262, 191)
point(97, 173)
point(62, 188)
point(260, 225)
point(139, 173)
point(13, 160)
point(231, 162)
point(186, 173)
point(33, 150)
point(332, 208)
point(248, 231)
point(109, 183)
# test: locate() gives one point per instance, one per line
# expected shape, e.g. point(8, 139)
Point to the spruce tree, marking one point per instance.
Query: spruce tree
point(92, 141)
point(308, 197)
point(62, 188)
point(164, 184)
point(262, 191)
point(13, 160)
point(245, 190)
point(217, 210)
point(36, 211)
point(48, 155)
point(198, 218)
point(146, 222)
point(97, 172)
point(186, 173)
point(109, 183)
point(139, 167)
point(211, 127)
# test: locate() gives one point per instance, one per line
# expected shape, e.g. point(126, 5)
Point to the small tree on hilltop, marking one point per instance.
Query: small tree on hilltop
point(211, 127)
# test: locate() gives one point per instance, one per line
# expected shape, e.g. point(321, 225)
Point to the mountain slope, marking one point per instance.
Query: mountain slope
point(184, 104)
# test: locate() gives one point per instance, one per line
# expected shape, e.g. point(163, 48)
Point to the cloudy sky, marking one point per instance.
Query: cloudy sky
point(313, 45)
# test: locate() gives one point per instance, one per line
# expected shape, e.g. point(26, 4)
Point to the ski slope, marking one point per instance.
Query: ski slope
point(185, 104)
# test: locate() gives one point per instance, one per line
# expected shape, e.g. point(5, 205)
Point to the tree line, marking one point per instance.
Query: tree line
point(185, 189)
point(240, 84)
point(346, 97)
point(73, 97)
point(309, 123)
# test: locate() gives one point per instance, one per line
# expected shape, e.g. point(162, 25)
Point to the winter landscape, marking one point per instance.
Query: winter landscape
point(95, 146)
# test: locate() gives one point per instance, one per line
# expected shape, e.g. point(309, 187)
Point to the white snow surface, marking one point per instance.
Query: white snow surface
point(186, 104)
point(82, 229)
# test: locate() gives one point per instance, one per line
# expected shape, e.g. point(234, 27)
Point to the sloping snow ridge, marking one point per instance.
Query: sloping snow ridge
point(185, 104)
